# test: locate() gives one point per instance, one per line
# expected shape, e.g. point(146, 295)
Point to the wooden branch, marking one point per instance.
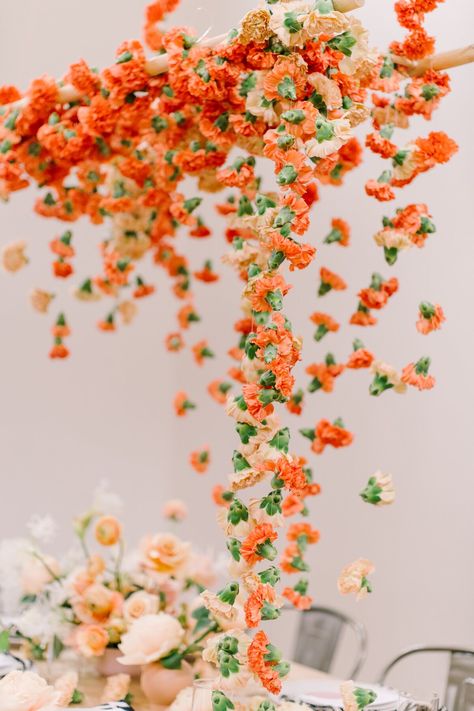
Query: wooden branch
point(444, 60)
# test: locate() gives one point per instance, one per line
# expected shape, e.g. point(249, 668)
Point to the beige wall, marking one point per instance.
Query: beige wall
point(107, 411)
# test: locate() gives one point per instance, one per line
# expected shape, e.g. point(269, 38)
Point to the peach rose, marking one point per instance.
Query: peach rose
point(14, 257)
point(116, 687)
point(164, 553)
point(36, 574)
point(150, 638)
point(97, 604)
point(91, 640)
point(26, 691)
point(66, 685)
point(138, 604)
point(108, 531)
point(175, 509)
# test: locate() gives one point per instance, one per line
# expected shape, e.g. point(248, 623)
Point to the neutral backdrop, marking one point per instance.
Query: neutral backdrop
point(106, 412)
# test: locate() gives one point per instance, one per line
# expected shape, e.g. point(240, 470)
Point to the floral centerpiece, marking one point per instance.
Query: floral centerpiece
point(99, 598)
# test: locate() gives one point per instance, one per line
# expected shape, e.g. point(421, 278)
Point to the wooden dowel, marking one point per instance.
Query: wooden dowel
point(348, 5)
point(438, 62)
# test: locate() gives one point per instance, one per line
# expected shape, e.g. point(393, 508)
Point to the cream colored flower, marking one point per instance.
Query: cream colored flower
point(164, 553)
point(409, 165)
point(393, 239)
point(138, 604)
point(218, 608)
point(300, 8)
point(246, 478)
point(233, 410)
point(127, 310)
point(14, 257)
point(358, 113)
point(349, 65)
point(379, 490)
point(334, 23)
point(348, 699)
point(26, 691)
point(239, 530)
point(175, 509)
point(66, 685)
point(379, 367)
point(260, 515)
point(37, 573)
point(40, 300)
point(211, 650)
point(255, 26)
point(150, 638)
point(184, 701)
point(353, 578)
point(321, 149)
point(327, 88)
point(116, 687)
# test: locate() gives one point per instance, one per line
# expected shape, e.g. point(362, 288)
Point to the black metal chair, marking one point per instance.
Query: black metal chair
point(458, 695)
point(319, 634)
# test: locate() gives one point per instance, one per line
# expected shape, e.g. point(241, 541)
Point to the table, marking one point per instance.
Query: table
point(93, 688)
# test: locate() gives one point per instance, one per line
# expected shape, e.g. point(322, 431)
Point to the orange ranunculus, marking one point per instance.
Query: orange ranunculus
point(108, 531)
point(97, 604)
point(373, 299)
point(91, 640)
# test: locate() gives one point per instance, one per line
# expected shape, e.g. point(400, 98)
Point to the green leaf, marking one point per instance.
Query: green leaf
point(270, 353)
point(173, 660)
point(58, 647)
point(4, 641)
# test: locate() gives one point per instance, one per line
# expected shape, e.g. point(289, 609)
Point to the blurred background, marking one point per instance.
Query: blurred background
point(106, 413)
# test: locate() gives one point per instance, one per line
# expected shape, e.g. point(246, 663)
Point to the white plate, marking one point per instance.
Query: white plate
point(319, 692)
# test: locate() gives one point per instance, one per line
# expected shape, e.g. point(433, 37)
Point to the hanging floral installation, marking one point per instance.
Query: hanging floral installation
point(289, 85)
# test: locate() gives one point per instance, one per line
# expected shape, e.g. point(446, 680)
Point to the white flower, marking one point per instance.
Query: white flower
point(42, 528)
point(349, 65)
point(105, 501)
point(300, 8)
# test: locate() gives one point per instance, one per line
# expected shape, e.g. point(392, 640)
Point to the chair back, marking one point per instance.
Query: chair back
point(319, 634)
point(466, 695)
point(460, 671)
point(460, 676)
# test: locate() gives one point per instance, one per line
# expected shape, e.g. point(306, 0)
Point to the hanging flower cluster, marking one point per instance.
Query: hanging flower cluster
point(290, 85)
